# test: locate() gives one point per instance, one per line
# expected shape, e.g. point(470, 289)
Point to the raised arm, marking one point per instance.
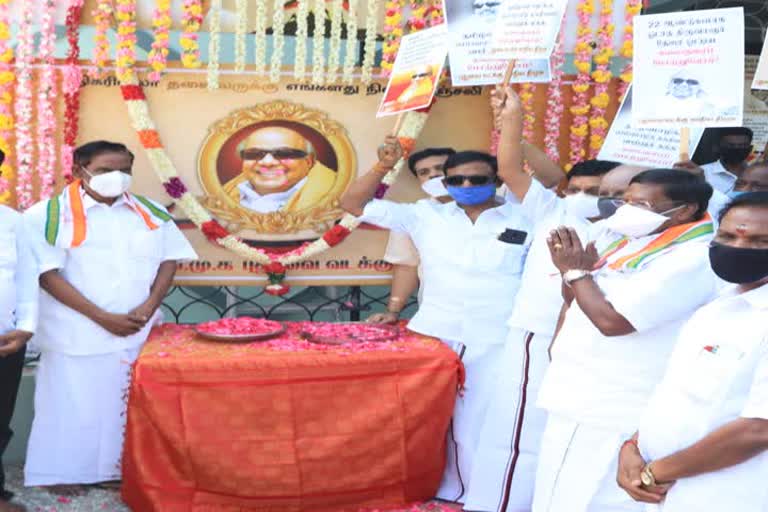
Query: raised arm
point(547, 172)
point(363, 189)
point(509, 119)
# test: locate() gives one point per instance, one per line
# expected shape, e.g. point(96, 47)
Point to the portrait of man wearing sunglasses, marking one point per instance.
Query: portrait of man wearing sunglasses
point(685, 95)
point(280, 172)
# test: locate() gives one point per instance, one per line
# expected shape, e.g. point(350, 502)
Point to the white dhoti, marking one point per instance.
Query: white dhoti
point(503, 479)
point(481, 363)
point(77, 431)
point(577, 469)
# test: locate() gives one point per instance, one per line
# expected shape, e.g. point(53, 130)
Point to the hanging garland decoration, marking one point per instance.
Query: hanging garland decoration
point(369, 49)
point(241, 11)
point(350, 52)
point(631, 9)
point(274, 264)
point(192, 20)
point(555, 106)
point(260, 38)
point(393, 32)
point(602, 75)
point(23, 109)
point(278, 41)
point(46, 93)
point(337, 11)
point(7, 79)
point(102, 17)
point(72, 77)
point(125, 13)
point(583, 61)
point(318, 43)
point(300, 57)
point(435, 15)
point(161, 23)
point(214, 38)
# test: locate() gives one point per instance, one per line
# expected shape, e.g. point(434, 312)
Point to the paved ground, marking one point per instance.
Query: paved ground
point(37, 500)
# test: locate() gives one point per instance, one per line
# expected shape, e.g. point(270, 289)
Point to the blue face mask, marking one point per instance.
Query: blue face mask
point(733, 194)
point(472, 195)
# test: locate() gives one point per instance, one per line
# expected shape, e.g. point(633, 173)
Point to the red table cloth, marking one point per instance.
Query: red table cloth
point(286, 425)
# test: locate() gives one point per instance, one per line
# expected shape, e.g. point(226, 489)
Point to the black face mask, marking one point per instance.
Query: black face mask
point(734, 155)
point(738, 265)
point(607, 206)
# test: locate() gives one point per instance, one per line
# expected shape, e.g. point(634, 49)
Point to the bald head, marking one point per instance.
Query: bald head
point(615, 182)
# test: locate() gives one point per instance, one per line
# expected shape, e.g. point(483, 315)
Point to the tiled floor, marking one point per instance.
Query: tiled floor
point(37, 500)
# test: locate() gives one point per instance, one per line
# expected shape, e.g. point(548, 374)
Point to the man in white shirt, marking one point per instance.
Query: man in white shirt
point(630, 288)
point(734, 145)
point(703, 438)
point(107, 259)
point(18, 321)
point(473, 249)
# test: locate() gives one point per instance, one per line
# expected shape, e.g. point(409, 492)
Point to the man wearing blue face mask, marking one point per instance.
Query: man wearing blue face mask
point(473, 250)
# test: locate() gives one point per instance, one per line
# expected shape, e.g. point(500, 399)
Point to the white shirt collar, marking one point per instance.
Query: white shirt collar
point(266, 203)
point(757, 298)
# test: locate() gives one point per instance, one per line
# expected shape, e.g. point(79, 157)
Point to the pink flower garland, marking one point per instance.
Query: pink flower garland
point(631, 9)
point(46, 115)
point(583, 62)
point(72, 77)
point(125, 58)
point(555, 106)
point(23, 108)
point(161, 21)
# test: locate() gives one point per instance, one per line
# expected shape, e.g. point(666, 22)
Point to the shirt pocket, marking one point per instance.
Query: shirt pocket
point(712, 372)
point(501, 257)
point(145, 251)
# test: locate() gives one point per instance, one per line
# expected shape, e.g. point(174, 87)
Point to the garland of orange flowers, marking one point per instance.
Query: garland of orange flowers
point(583, 62)
point(393, 32)
point(7, 80)
point(631, 9)
point(192, 19)
point(602, 75)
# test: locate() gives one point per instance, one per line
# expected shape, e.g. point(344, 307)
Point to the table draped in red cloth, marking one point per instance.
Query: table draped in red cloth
point(286, 425)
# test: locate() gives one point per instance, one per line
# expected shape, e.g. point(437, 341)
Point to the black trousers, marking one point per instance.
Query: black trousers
point(10, 377)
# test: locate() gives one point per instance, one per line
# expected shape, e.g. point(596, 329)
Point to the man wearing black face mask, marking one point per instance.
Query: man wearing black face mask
point(733, 147)
point(703, 438)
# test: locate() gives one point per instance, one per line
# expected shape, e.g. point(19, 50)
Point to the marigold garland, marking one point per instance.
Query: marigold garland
point(214, 44)
point(318, 43)
point(334, 50)
point(192, 19)
point(555, 106)
point(631, 9)
point(161, 23)
point(25, 149)
point(371, 24)
point(125, 13)
point(7, 79)
point(602, 75)
point(103, 16)
point(260, 38)
point(46, 94)
point(393, 33)
point(278, 41)
point(350, 52)
point(241, 10)
point(583, 61)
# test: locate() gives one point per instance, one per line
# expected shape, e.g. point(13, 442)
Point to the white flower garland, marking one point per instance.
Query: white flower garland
point(371, 24)
point(350, 57)
point(318, 43)
point(260, 37)
point(337, 9)
point(214, 44)
point(241, 10)
point(278, 41)
point(300, 60)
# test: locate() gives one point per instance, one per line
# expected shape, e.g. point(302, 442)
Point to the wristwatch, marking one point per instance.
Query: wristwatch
point(646, 476)
point(569, 276)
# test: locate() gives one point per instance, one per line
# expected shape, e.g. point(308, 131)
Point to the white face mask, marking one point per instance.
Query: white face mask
point(636, 222)
point(110, 184)
point(434, 187)
point(582, 205)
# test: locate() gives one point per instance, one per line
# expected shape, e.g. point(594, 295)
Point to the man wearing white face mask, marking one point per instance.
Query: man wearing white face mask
point(107, 259)
point(630, 289)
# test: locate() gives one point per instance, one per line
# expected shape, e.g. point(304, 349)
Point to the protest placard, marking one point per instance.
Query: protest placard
point(689, 69)
point(417, 68)
point(653, 147)
point(526, 29)
point(761, 75)
point(470, 29)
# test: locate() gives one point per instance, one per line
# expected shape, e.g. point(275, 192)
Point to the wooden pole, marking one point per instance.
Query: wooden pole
point(398, 124)
point(508, 73)
point(685, 144)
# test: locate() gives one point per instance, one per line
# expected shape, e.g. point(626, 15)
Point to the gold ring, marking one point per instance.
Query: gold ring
point(558, 246)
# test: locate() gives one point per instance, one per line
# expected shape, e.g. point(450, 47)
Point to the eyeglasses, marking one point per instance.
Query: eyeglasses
point(689, 81)
point(277, 154)
point(457, 180)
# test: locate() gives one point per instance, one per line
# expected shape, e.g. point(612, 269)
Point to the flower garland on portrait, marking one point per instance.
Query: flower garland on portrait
point(7, 79)
point(278, 41)
point(72, 77)
point(260, 38)
point(318, 43)
point(602, 75)
point(583, 61)
point(25, 149)
point(45, 137)
point(369, 49)
point(161, 23)
point(138, 110)
point(102, 17)
point(192, 20)
point(300, 56)
point(631, 9)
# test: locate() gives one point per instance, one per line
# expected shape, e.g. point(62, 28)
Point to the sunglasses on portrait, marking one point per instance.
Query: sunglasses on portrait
point(458, 180)
point(689, 81)
point(277, 154)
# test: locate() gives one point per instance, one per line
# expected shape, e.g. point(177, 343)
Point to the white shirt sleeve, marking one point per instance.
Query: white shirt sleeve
point(27, 283)
point(400, 250)
point(48, 257)
point(757, 401)
point(539, 202)
point(176, 247)
point(391, 215)
point(668, 289)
